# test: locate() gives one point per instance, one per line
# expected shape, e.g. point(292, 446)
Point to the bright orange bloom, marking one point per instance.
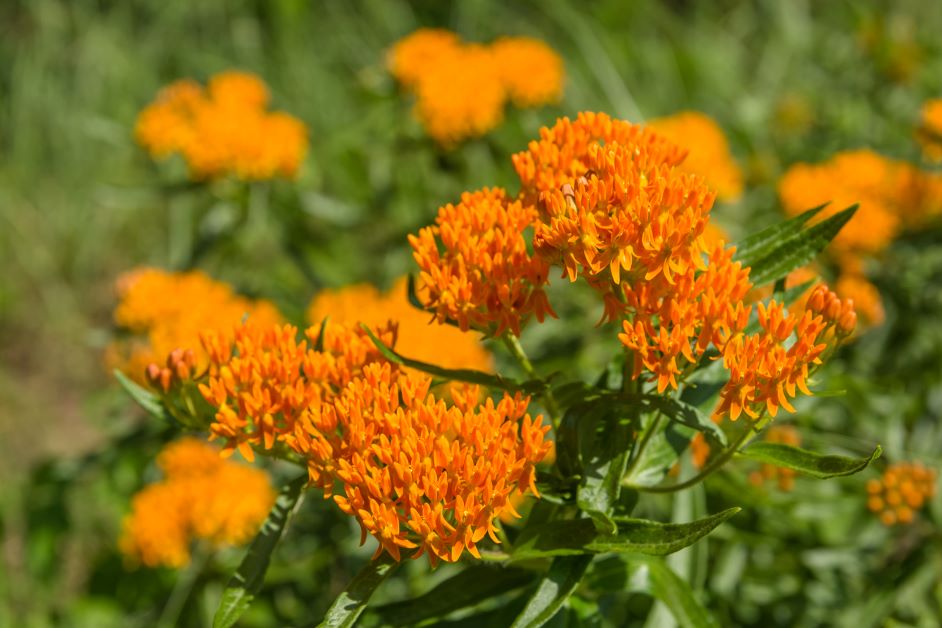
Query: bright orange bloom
point(200, 497)
point(416, 471)
point(160, 311)
point(418, 337)
point(785, 478)
point(699, 450)
point(904, 489)
point(532, 72)
point(224, 129)
point(865, 296)
point(709, 154)
point(263, 379)
point(476, 269)
point(410, 58)
point(763, 372)
point(929, 133)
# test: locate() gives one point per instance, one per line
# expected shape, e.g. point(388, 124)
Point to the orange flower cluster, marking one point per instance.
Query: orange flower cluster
point(415, 471)
point(160, 311)
point(785, 478)
point(461, 89)
point(443, 345)
point(709, 154)
point(224, 129)
point(201, 497)
point(904, 489)
point(476, 269)
point(929, 133)
point(766, 368)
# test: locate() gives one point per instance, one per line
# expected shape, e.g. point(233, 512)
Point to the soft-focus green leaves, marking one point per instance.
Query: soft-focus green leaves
point(352, 602)
point(807, 462)
point(470, 376)
point(580, 536)
point(660, 454)
point(473, 585)
point(563, 577)
point(248, 578)
point(144, 398)
point(649, 574)
point(793, 248)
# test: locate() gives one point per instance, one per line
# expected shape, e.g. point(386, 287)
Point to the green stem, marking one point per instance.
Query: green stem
point(714, 465)
point(183, 587)
point(645, 439)
point(516, 349)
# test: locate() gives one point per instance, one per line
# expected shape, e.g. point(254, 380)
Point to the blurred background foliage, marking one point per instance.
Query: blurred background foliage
point(787, 81)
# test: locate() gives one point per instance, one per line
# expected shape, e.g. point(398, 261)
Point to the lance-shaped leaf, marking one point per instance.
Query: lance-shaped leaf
point(689, 415)
point(248, 578)
point(604, 460)
point(789, 253)
point(757, 245)
point(350, 604)
point(580, 536)
point(470, 376)
point(144, 398)
point(563, 577)
point(807, 462)
point(469, 587)
point(649, 574)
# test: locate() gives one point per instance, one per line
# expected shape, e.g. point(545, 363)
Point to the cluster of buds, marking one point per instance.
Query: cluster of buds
point(904, 489)
point(179, 367)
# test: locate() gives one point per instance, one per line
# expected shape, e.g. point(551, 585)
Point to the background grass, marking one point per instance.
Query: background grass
point(788, 81)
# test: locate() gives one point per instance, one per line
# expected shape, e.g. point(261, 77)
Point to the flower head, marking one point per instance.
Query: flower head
point(929, 133)
point(224, 129)
point(709, 154)
point(410, 58)
point(531, 71)
point(201, 497)
point(160, 311)
point(476, 268)
point(904, 489)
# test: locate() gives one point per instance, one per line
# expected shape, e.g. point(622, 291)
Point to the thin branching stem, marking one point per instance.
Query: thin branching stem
point(516, 349)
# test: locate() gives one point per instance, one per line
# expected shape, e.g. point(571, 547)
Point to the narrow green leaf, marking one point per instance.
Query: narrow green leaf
point(144, 398)
point(649, 574)
point(757, 245)
point(604, 464)
point(794, 252)
point(807, 462)
point(319, 344)
point(246, 582)
point(470, 376)
point(469, 587)
point(580, 536)
point(352, 602)
point(563, 577)
point(663, 450)
point(689, 415)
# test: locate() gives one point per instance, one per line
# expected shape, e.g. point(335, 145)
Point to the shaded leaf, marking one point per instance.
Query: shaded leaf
point(554, 589)
point(807, 462)
point(689, 415)
point(144, 398)
point(580, 536)
point(248, 578)
point(352, 602)
point(659, 456)
point(649, 574)
point(604, 462)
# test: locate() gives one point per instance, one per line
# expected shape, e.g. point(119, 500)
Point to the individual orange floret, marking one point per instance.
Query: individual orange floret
point(159, 312)
point(561, 154)
point(418, 336)
point(460, 96)
point(709, 154)
point(201, 497)
point(417, 472)
point(410, 58)
point(903, 490)
point(224, 129)
point(262, 379)
point(929, 133)
point(475, 265)
point(785, 478)
point(531, 71)
point(767, 367)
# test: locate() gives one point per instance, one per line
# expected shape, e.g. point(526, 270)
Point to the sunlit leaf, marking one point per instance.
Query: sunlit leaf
point(807, 462)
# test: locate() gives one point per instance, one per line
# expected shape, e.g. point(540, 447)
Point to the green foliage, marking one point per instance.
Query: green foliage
point(807, 462)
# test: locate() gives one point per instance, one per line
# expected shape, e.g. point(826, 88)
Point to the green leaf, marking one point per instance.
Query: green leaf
point(470, 376)
point(319, 344)
point(689, 415)
point(144, 398)
point(248, 578)
point(756, 246)
point(788, 253)
point(580, 536)
point(807, 462)
point(662, 451)
point(469, 587)
point(649, 574)
point(352, 602)
point(604, 463)
point(563, 577)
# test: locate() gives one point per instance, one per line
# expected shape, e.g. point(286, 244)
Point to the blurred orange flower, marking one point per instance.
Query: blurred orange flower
point(904, 489)
point(785, 478)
